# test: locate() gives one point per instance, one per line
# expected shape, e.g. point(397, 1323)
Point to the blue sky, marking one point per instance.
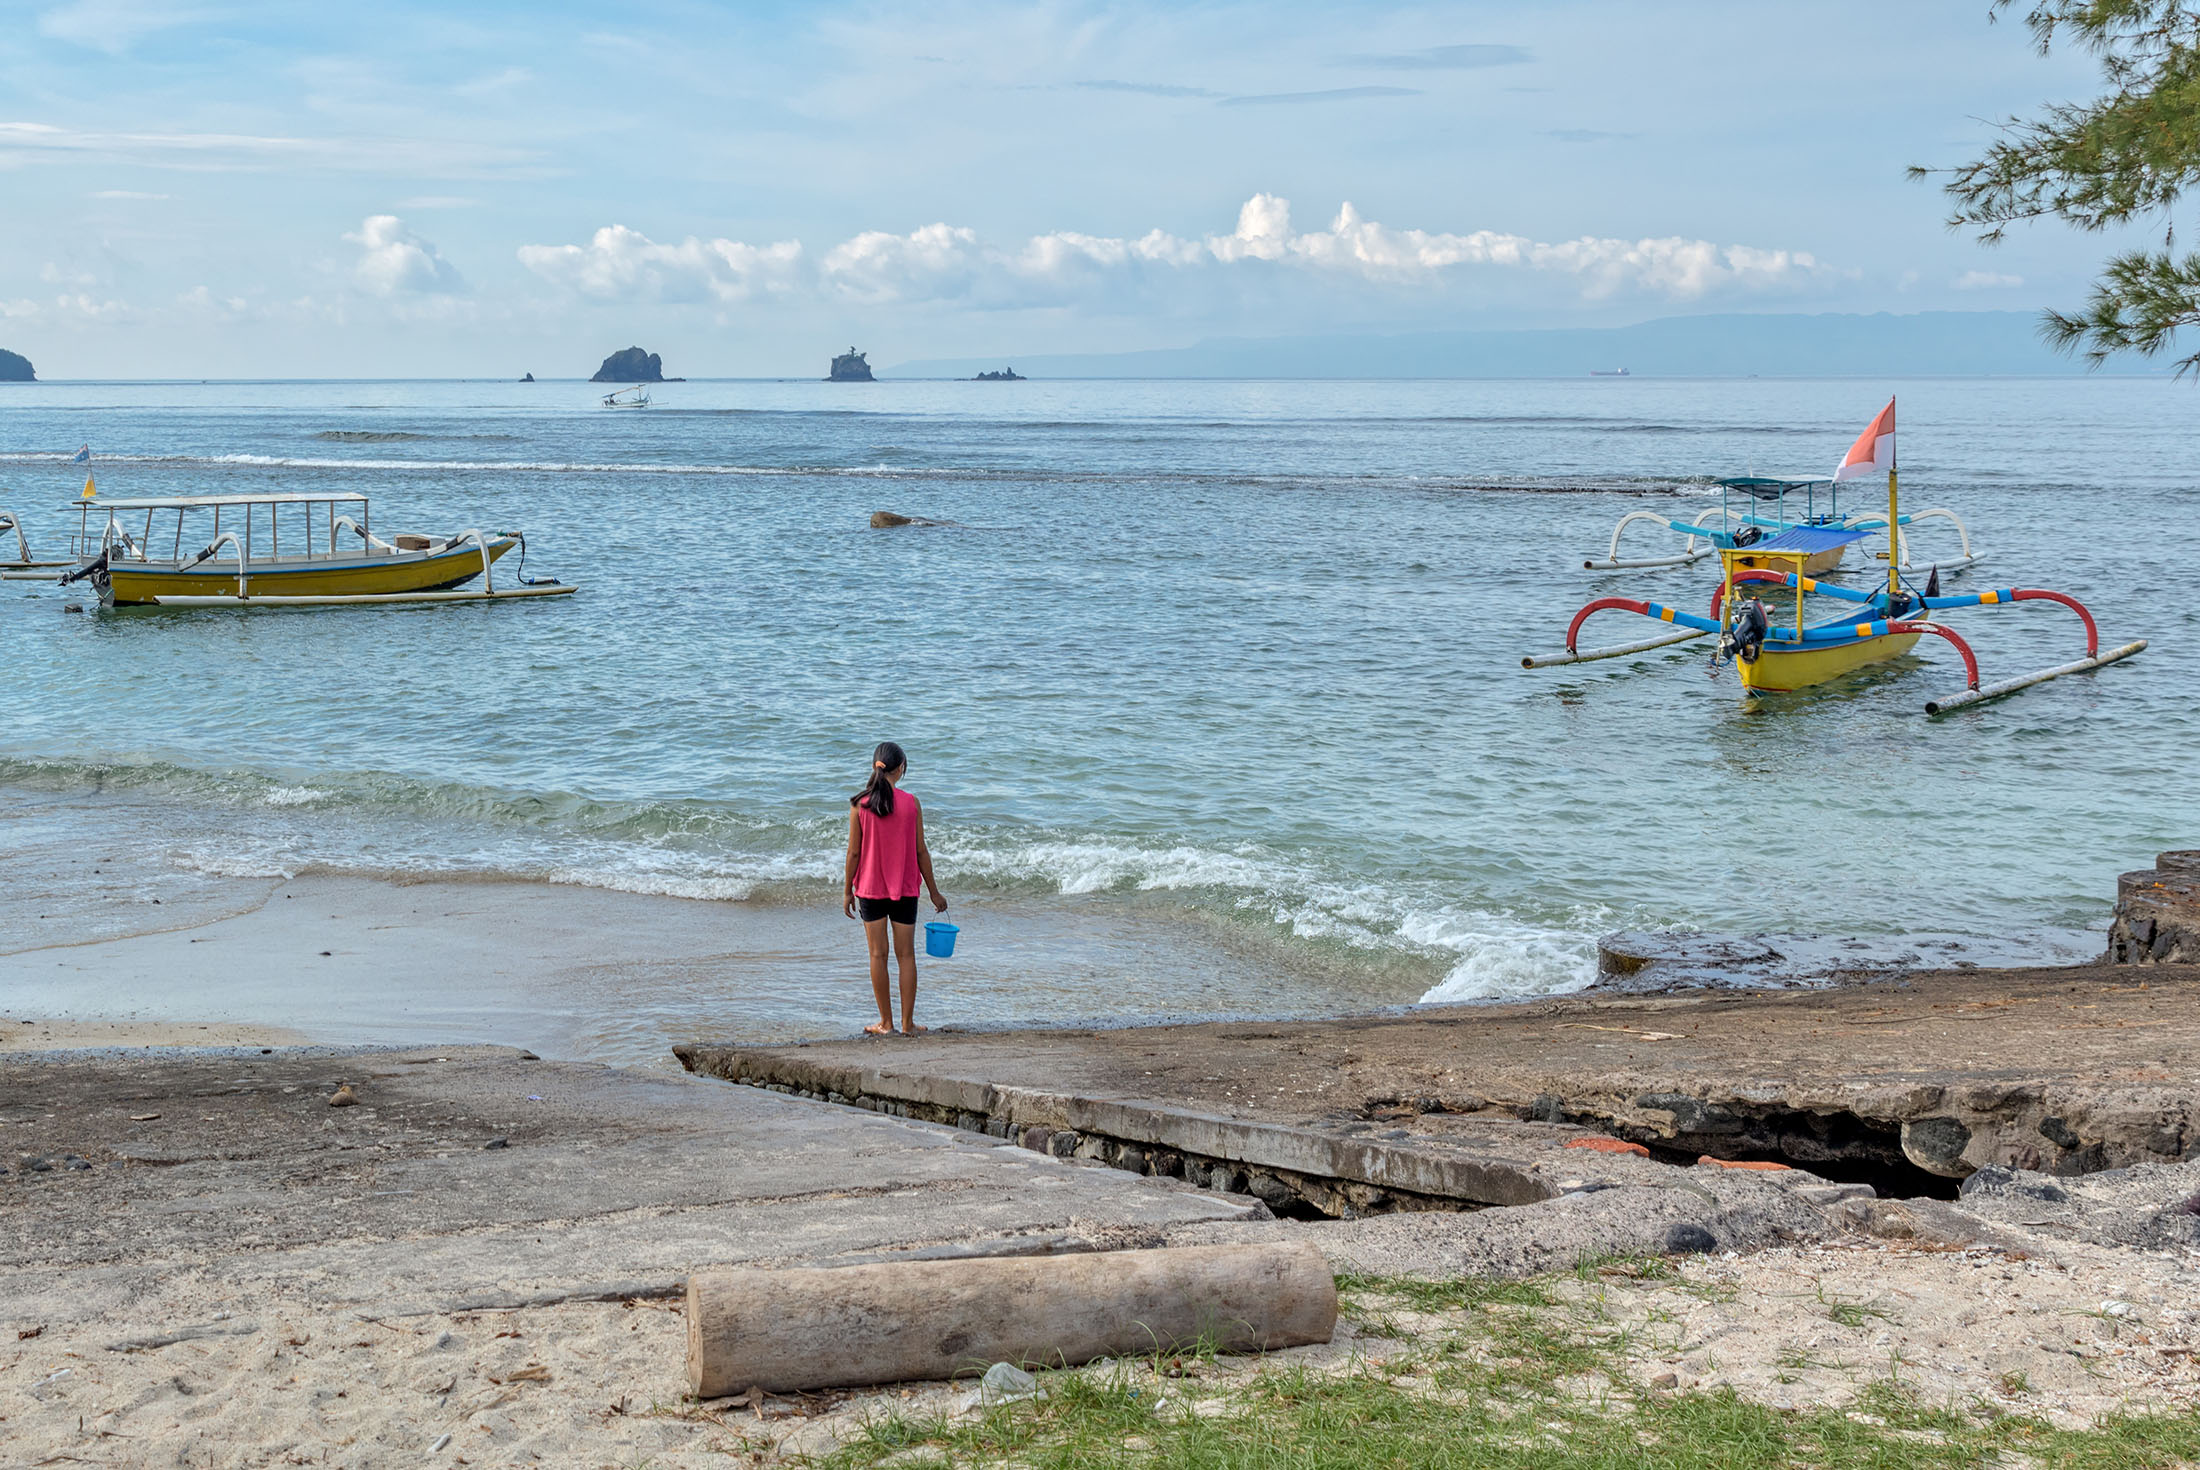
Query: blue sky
point(201, 189)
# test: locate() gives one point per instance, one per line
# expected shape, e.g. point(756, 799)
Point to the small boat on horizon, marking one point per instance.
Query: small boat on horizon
point(634, 397)
point(1610, 373)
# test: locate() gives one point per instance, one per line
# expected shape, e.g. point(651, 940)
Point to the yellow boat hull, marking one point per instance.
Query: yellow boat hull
point(138, 584)
point(1782, 670)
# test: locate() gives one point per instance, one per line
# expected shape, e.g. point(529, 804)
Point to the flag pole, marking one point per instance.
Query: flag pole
point(1894, 531)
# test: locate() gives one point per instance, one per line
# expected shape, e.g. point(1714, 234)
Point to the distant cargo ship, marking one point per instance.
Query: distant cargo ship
point(1608, 373)
point(850, 367)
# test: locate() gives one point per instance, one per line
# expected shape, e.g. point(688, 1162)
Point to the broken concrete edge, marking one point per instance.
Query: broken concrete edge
point(1898, 1126)
point(1288, 1168)
point(2157, 918)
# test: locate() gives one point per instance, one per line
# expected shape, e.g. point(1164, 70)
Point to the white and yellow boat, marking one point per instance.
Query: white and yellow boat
point(293, 549)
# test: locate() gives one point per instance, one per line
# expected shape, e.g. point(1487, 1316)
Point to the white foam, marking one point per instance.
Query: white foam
point(496, 466)
point(665, 885)
point(296, 796)
point(1497, 955)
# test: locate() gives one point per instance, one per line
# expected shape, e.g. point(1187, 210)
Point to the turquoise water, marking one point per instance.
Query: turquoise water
point(1240, 654)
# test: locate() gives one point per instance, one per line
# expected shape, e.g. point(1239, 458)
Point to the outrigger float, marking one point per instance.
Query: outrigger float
point(329, 557)
point(1875, 626)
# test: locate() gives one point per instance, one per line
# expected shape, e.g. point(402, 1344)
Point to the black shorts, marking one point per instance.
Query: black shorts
point(900, 910)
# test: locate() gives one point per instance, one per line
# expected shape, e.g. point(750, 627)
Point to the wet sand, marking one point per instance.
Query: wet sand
point(20, 1034)
point(619, 977)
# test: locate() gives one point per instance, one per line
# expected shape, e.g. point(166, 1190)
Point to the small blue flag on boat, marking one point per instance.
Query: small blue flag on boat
point(82, 456)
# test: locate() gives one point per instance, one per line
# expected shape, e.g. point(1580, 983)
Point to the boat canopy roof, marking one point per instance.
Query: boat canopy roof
point(1806, 540)
point(1770, 487)
point(187, 502)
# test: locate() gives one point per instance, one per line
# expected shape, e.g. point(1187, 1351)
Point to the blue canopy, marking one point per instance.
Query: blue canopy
point(1808, 539)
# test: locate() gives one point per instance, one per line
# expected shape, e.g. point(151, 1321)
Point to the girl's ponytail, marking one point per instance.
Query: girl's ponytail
point(877, 795)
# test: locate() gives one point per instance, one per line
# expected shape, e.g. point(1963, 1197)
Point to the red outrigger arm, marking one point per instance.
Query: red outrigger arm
point(1602, 604)
point(1970, 659)
point(2037, 594)
point(1754, 574)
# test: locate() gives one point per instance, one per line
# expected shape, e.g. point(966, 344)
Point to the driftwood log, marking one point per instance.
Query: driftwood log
point(788, 1331)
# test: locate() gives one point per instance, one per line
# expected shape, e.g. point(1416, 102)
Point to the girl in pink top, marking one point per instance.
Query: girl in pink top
point(887, 859)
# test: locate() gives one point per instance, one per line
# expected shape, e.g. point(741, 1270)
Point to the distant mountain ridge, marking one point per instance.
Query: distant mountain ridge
point(1734, 345)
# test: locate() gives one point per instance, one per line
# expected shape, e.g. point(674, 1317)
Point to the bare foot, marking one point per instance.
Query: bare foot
point(911, 1028)
point(878, 1028)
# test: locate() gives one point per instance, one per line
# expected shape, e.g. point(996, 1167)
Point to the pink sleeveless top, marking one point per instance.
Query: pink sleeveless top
point(886, 867)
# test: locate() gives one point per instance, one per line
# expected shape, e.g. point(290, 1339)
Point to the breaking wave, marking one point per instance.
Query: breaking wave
point(247, 824)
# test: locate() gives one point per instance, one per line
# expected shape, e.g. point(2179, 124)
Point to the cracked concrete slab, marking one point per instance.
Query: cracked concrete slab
point(477, 1175)
point(1924, 1076)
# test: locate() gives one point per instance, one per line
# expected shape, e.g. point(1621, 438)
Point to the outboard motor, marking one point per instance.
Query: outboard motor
point(1747, 634)
point(95, 568)
point(1749, 536)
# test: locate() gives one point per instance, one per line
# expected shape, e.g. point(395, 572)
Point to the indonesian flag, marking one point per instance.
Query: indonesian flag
point(1873, 451)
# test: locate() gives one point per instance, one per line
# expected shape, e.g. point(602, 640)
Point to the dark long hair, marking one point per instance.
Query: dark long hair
point(877, 795)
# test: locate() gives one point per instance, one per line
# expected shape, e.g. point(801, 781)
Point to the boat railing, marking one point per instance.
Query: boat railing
point(9, 521)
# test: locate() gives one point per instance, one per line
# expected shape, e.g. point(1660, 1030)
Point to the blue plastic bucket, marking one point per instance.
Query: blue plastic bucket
point(939, 939)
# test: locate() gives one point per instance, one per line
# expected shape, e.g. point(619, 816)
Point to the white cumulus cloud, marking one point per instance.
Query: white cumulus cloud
point(620, 264)
point(943, 262)
point(393, 261)
point(1671, 266)
point(1986, 281)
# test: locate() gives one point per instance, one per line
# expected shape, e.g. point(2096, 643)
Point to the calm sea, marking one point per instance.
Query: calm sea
point(1240, 655)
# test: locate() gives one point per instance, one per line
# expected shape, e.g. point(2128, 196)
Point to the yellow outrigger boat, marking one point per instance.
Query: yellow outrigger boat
point(1885, 623)
point(292, 549)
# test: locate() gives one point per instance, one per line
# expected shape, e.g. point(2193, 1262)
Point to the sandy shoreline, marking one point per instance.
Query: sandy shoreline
point(611, 976)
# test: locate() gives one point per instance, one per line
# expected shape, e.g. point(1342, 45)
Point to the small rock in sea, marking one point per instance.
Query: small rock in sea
point(884, 519)
point(344, 1097)
point(324, 953)
point(1688, 1238)
point(498, 1143)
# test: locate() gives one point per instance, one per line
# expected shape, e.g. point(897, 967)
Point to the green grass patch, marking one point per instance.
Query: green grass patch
point(1516, 1377)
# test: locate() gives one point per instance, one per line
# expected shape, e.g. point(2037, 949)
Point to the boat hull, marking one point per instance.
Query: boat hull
point(137, 584)
point(1779, 670)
